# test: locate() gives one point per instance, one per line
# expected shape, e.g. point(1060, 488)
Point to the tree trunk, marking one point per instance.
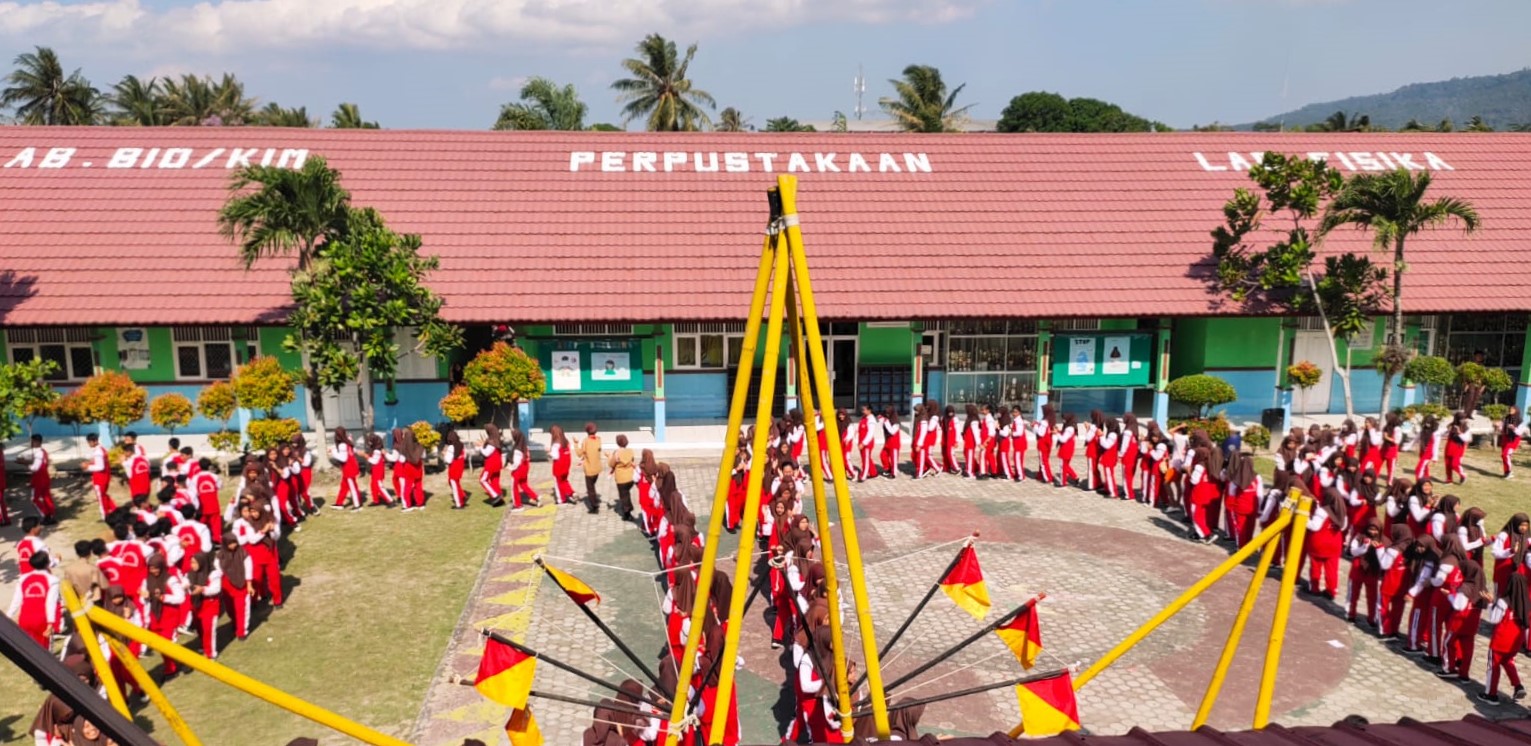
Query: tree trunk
point(1387, 393)
point(1395, 332)
point(364, 393)
point(1334, 355)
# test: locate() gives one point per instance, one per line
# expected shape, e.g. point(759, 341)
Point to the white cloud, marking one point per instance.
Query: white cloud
point(507, 83)
point(222, 26)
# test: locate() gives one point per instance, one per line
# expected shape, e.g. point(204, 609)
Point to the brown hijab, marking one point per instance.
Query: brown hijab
point(53, 717)
point(604, 730)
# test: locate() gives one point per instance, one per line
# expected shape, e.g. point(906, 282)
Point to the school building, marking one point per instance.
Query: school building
point(1017, 269)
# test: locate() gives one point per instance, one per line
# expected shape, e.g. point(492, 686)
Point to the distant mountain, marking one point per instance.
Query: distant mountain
point(1502, 100)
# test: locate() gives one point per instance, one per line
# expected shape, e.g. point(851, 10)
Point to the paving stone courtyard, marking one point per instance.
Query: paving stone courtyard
point(1106, 567)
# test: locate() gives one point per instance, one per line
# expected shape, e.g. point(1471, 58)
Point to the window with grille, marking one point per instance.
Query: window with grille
point(593, 330)
point(1076, 325)
point(707, 346)
point(209, 352)
point(69, 349)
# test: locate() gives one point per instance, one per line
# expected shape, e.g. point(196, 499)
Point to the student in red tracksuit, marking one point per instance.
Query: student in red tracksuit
point(1392, 440)
point(1004, 453)
point(1366, 572)
point(892, 441)
point(1091, 434)
point(1449, 576)
point(918, 454)
point(1458, 436)
point(35, 604)
point(990, 441)
point(1155, 461)
point(377, 471)
point(1127, 456)
point(489, 475)
point(99, 467)
point(1424, 559)
point(1107, 445)
point(1463, 612)
point(133, 556)
point(1205, 462)
point(818, 428)
point(866, 440)
point(1511, 617)
point(204, 586)
point(817, 714)
point(796, 434)
point(1510, 434)
point(344, 454)
point(1043, 430)
point(136, 467)
point(1429, 446)
point(41, 480)
point(1064, 441)
point(949, 439)
point(456, 457)
point(1508, 548)
point(205, 486)
point(1393, 559)
point(713, 644)
point(737, 487)
point(1018, 435)
point(1243, 498)
point(235, 569)
point(303, 463)
point(167, 601)
point(849, 440)
point(561, 456)
point(520, 472)
point(1326, 539)
point(972, 443)
point(258, 535)
point(409, 466)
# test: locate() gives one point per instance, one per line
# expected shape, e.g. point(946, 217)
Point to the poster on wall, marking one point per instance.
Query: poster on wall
point(566, 370)
point(1081, 356)
point(609, 366)
point(1115, 354)
point(133, 348)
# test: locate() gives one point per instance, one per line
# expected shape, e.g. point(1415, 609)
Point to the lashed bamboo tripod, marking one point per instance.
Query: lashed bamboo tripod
point(783, 276)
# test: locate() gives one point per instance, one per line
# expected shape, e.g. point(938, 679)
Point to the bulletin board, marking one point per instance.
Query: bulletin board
point(598, 366)
point(1103, 360)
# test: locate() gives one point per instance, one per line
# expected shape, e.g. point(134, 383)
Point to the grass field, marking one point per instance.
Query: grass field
point(373, 599)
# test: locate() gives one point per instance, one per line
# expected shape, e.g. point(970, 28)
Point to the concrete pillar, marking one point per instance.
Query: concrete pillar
point(242, 416)
point(1284, 396)
point(104, 431)
point(1161, 407)
point(659, 402)
point(524, 415)
point(917, 377)
point(1523, 386)
point(1162, 374)
point(1041, 402)
point(1127, 400)
point(1408, 393)
point(1044, 363)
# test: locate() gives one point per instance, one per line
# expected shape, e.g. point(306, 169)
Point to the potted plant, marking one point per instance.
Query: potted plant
point(1304, 375)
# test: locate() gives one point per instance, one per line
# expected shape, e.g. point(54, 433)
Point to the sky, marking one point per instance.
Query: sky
point(451, 64)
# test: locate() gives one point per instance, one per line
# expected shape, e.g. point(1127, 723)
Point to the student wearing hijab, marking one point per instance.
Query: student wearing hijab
point(949, 440)
point(1443, 520)
point(892, 437)
point(520, 468)
point(1366, 572)
point(1042, 431)
point(605, 727)
point(377, 467)
point(1107, 446)
point(166, 592)
point(1393, 559)
point(1470, 534)
point(204, 587)
point(1245, 489)
point(235, 569)
point(1065, 440)
point(1205, 463)
point(713, 643)
point(1511, 617)
point(1392, 439)
point(641, 729)
point(54, 722)
point(1005, 450)
point(1429, 446)
point(1510, 434)
point(1463, 611)
point(1018, 435)
point(561, 456)
point(489, 475)
point(1326, 537)
point(1449, 576)
point(1458, 436)
point(1127, 455)
point(648, 496)
point(1508, 548)
point(815, 706)
point(972, 443)
point(1424, 560)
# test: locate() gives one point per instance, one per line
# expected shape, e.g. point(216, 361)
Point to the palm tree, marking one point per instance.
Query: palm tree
point(732, 120)
point(922, 103)
point(348, 117)
point(1393, 206)
point(277, 116)
point(659, 90)
point(41, 93)
point(1476, 124)
point(839, 123)
point(1521, 127)
point(544, 106)
point(287, 211)
point(137, 102)
point(1337, 122)
point(787, 124)
point(1414, 125)
point(195, 100)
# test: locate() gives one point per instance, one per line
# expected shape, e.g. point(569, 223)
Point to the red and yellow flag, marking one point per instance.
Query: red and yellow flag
point(522, 728)
point(1047, 706)
point(964, 583)
point(505, 674)
point(1023, 635)
point(576, 588)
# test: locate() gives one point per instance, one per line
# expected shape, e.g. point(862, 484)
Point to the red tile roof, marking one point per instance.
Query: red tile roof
point(530, 227)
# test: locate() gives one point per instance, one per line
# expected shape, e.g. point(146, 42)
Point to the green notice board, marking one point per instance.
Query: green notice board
point(592, 366)
point(1102, 360)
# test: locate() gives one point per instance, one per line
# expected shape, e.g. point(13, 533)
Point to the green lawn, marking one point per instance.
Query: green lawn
point(374, 598)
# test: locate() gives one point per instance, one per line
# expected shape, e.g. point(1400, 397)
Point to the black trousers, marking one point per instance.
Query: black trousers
point(592, 500)
point(625, 499)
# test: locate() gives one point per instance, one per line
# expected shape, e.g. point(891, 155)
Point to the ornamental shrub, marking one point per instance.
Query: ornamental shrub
point(458, 406)
point(1304, 374)
point(1495, 412)
point(226, 441)
point(1201, 391)
point(1218, 428)
point(504, 375)
point(269, 433)
point(1440, 412)
point(111, 397)
point(170, 411)
point(426, 434)
point(262, 385)
point(216, 401)
point(1257, 437)
point(1430, 370)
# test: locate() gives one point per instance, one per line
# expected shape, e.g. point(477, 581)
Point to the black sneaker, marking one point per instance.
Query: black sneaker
point(1446, 674)
point(1491, 698)
point(1520, 693)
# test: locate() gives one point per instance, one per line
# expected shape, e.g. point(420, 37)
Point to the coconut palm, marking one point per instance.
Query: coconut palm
point(922, 103)
point(1476, 124)
point(41, 93)
point(659, 90)
point(1393, 207)
point(197, 100)
point(348, 117)
point(732, 120)
point(287, 211)
point(137, 102)
point(787, 124)
point(277, 116)
point(544, 106)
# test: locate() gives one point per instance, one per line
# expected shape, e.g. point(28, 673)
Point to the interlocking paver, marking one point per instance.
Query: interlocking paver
point(1107, 566)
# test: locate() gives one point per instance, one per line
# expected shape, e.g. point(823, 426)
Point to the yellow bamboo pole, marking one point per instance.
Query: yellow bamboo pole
point(98, 661)
point(1190, 594)
point(768, 370)
point(725, 470)
point(1289, 575)
point(157, 697)
point(821, 513)
point(1215, 686)
point(788, 186)
point(240, 681)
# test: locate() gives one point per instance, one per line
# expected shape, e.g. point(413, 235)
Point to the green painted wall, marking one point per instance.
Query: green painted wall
point(269, 344)
point(1188, 347)
point(1240, 342)
point(1112, 325)
point(886, 345)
